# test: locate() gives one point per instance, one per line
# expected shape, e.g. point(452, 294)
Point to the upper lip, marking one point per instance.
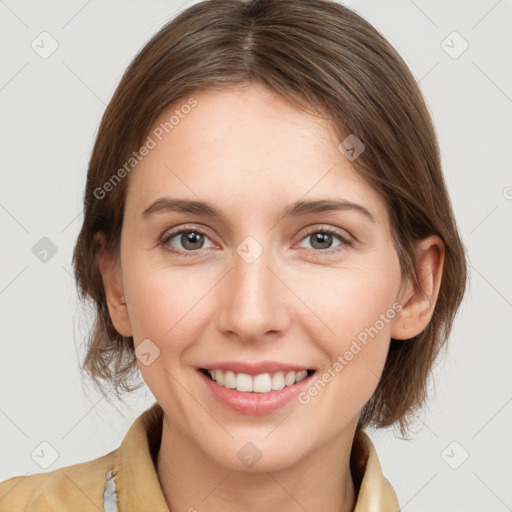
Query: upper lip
point(255, 368)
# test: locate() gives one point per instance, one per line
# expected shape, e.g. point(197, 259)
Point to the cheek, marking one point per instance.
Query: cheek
point(166, 309)
point(165, 304)
point(352, 302)
point(356, 310)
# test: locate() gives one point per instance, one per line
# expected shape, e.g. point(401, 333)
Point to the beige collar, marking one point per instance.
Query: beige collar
point(138, 487)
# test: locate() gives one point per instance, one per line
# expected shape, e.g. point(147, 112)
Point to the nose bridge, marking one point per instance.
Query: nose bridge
point(251, 301)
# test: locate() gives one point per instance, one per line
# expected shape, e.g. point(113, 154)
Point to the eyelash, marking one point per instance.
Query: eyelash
point(345, 241)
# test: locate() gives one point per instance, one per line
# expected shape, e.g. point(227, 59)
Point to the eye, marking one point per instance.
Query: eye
point(185, 240)
point(188, 241)
point(321, 240)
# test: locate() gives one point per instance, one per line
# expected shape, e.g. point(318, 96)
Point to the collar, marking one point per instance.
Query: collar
point(138, 487)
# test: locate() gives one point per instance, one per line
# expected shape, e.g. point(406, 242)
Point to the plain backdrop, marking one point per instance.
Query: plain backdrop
point(459, 457)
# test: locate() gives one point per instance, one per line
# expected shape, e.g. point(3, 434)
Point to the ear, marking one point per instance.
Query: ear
point(110, 270)
point(419, 298)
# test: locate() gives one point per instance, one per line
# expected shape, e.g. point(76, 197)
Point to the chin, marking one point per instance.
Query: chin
point(254, 454)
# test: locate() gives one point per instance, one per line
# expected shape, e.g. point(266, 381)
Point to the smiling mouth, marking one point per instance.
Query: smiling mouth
point(261, 383)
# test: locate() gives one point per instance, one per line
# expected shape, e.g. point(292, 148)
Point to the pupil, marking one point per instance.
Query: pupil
point(191, 239)
point(323, 238)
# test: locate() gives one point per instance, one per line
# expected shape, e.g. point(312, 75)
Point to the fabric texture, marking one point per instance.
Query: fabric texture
point(79, 487)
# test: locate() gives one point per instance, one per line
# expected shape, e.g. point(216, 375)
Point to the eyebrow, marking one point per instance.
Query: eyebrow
point(296, 209)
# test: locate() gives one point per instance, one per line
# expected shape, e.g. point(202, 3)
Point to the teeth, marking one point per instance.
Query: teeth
point(301, 375)
point(289, 379)
point(278, 381)
point(243, 382)
point(262, 383)
point(229, 380)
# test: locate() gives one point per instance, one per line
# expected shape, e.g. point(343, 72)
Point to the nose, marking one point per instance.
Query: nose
point(254, 303)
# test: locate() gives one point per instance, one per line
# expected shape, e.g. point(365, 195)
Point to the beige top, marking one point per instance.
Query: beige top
point(80, 486)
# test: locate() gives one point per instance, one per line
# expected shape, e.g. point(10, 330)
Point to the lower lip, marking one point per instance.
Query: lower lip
point(254, 403)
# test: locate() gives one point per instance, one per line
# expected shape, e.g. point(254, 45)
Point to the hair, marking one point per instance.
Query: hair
point(318, 55)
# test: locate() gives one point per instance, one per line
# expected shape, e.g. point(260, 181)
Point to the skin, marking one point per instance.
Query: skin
point(250, 153)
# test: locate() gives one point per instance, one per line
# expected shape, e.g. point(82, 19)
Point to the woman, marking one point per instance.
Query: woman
point(268, 238)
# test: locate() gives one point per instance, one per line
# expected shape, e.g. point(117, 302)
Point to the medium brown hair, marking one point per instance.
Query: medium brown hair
point(318, 55)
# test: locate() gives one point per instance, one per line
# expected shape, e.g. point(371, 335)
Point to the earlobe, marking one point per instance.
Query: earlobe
point(420, 297)
point(113, 285)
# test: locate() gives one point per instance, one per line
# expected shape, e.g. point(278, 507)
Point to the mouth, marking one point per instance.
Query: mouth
point(251, 391)
point(259, 383)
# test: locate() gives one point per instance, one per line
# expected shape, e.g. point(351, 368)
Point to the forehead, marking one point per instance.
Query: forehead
point(246, 146)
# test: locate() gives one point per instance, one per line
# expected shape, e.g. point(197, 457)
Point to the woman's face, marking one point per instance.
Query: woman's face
point(276, 284)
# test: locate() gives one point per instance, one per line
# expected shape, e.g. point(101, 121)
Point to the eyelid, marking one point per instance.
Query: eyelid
point(171, 233)
point(343, 234)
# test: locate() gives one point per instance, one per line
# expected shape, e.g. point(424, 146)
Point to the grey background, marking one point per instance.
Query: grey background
point(50, 112)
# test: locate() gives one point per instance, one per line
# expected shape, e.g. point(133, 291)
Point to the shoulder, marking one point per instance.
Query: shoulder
point(76, 487)
point(80, 486)
point(374, 492)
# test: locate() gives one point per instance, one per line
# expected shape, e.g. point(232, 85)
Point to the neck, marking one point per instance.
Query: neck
point(192, 481)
